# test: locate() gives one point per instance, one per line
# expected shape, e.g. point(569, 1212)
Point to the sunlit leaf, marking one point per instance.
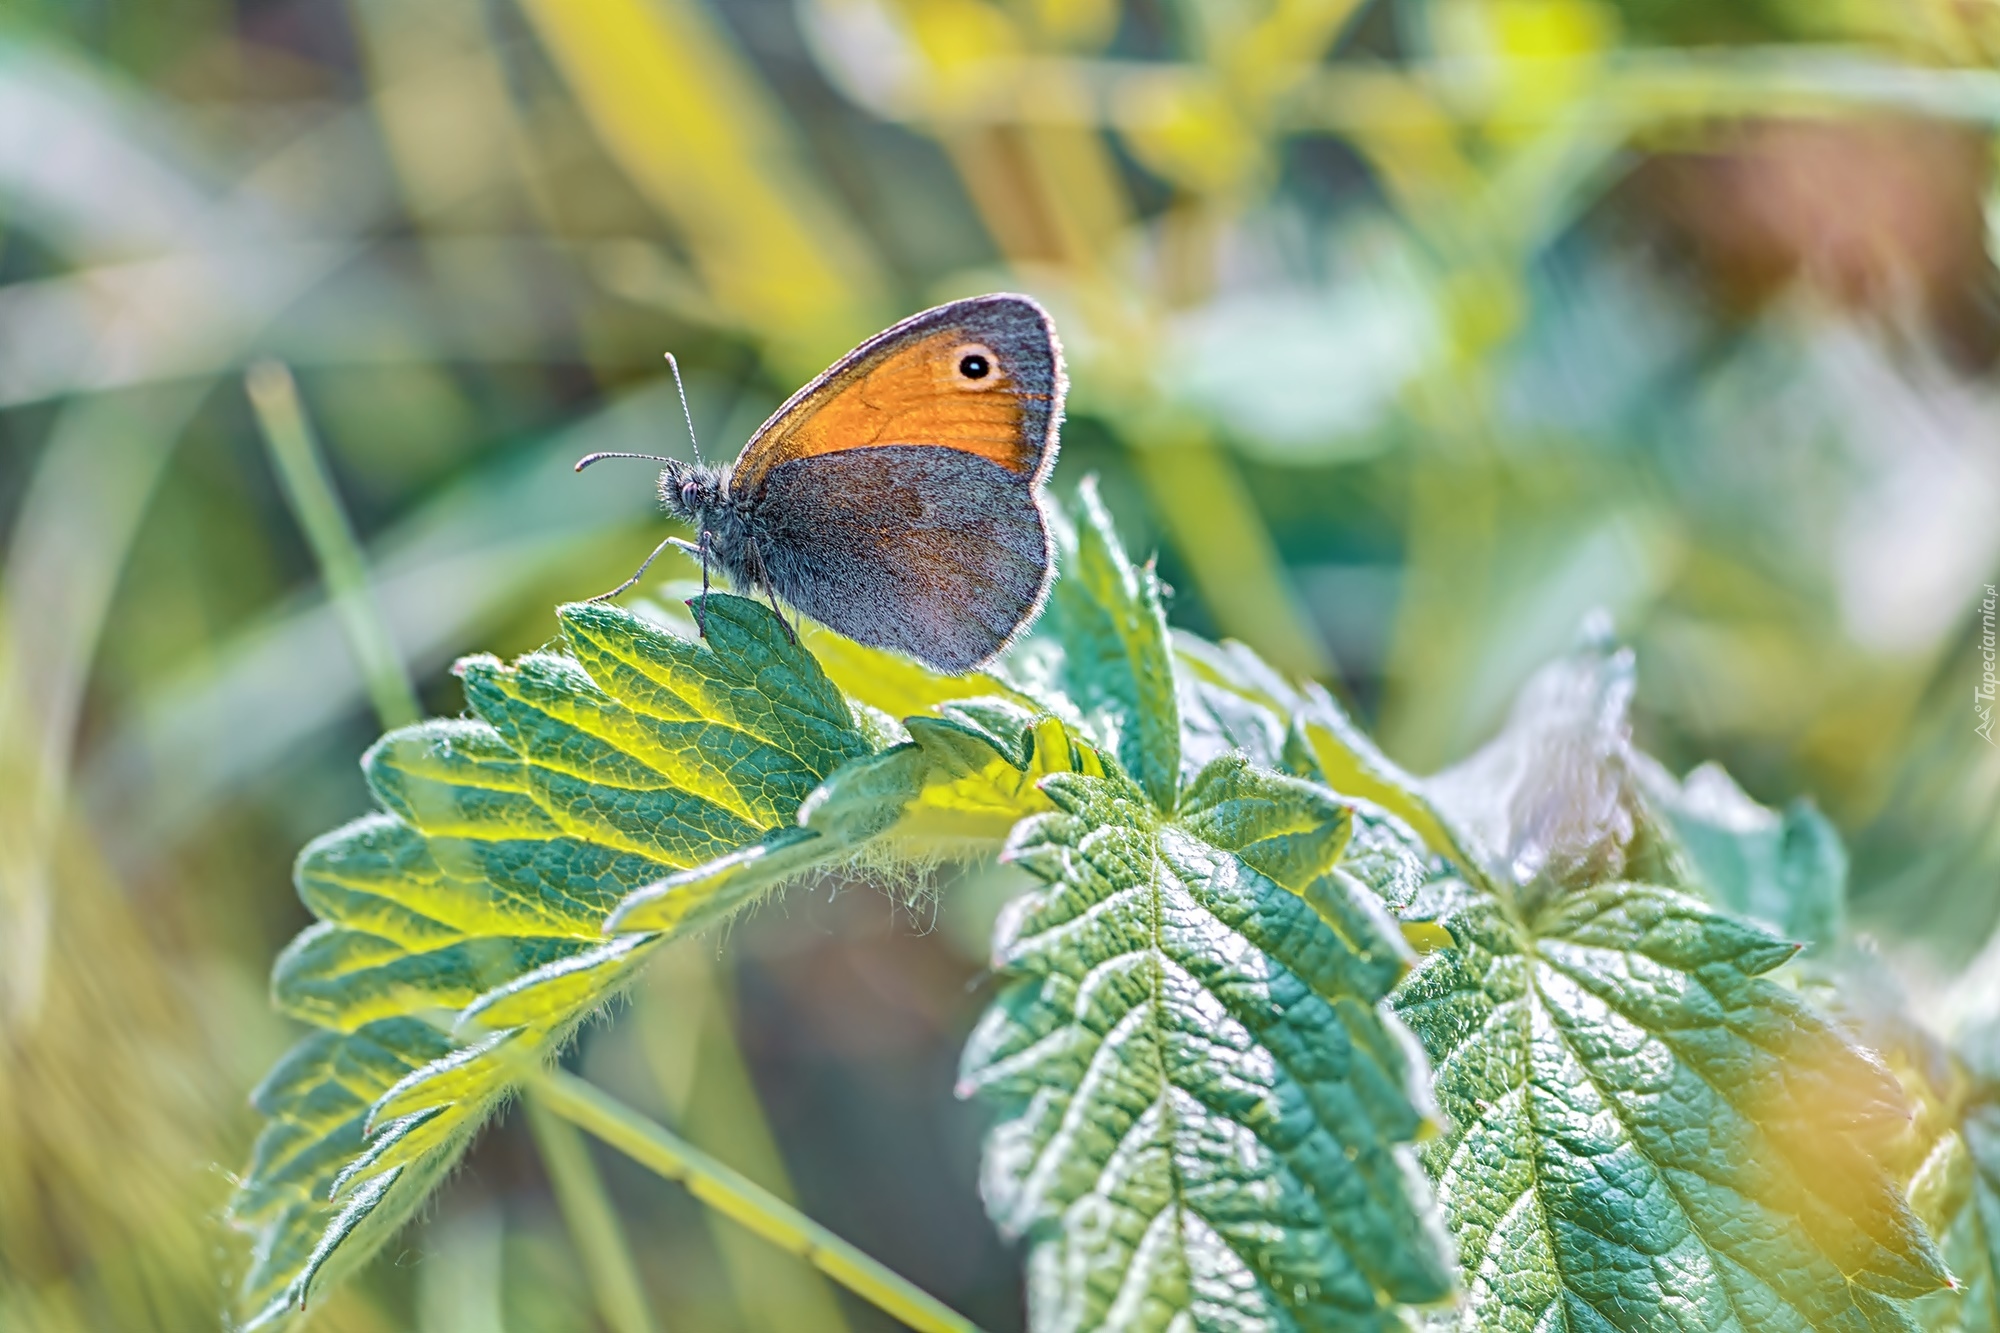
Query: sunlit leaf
point(1231, 699)
point(895, 685)
point(1551, 800)
point(1114, 661)
point(1646, 1133)
point(460, 932)
point(1201, 1107)
point(1955, 1184)
point(1958, 1193)
point(1644, 1130)
point(955, 788)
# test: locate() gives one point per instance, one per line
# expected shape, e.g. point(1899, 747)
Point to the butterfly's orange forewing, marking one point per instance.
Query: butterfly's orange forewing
point(912, 394)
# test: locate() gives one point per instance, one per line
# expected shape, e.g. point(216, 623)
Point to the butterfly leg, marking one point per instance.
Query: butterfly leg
point(760, 573)
point(701, 606)
point(638, 573)
point(779, 611)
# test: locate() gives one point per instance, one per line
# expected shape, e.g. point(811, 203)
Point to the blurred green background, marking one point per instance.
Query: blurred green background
point(1406, 332)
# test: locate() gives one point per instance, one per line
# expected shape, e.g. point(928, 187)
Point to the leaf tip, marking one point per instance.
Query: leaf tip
point(474, 662)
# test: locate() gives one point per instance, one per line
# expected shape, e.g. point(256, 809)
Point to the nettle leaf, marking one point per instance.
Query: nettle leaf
point(1645, 1132)
point(1106, 654)
point(1552, 799)
point(1788, 870)
point(1954, 1181)
point(894, 685)
point(1232, 700)
point(317, 1101)
point(954, 789)
point(1959, 1195)
point(1202, 1108)
point(461, 929)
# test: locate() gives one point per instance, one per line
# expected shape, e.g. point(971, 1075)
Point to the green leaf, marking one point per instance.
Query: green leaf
point(1550, 801)
point(1955, 1187)
point(1967, 1221)
point(1108, 630)
point(894, 685)
point(1231, 699)
point(317, 1102)
point(1788, 870)
point(461, 929)
point(1202, 1108)
point(1326, 743)
point(954, 789)
point(1646, 1133)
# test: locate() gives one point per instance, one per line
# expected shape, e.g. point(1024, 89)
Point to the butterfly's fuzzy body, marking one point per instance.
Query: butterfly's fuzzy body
point(698, 495)
point(896, 499)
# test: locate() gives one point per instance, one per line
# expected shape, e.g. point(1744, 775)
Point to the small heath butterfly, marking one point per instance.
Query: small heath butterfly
point(896, 498)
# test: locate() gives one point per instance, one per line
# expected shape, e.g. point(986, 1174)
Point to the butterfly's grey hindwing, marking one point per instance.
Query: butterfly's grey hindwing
point(958, 564)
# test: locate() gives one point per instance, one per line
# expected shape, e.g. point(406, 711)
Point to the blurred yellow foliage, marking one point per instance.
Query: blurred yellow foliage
point(698, 135)
point(1186, 126)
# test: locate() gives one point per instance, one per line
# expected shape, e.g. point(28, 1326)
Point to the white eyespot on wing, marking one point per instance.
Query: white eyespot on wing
point(975, 367)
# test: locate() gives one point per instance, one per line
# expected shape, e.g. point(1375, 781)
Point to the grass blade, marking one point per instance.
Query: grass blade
point(737, 1197)
point(592, 1221)
point(309, 490)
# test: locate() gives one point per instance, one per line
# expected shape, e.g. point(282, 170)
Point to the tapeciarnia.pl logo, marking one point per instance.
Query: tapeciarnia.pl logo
point(1982, 693)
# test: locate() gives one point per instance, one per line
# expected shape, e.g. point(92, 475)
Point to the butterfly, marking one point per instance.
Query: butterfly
point(896, 498)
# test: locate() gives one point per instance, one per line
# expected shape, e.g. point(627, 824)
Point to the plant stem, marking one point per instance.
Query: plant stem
point(689, 1037)
point(309, 490)
point(592, 1222)
point(745, 1202)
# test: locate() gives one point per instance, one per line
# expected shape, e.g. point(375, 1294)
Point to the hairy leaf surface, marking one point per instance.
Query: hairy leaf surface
point(894, 685)
point(1967, 1221)
point(957, 786)
point(1202, 1107)
point(1646, 1133)
point(1231, 699)
point(1106, 632)
point(460, 929)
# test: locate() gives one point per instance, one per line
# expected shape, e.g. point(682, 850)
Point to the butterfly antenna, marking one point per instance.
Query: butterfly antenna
point(588, 459)
point(689, 416)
